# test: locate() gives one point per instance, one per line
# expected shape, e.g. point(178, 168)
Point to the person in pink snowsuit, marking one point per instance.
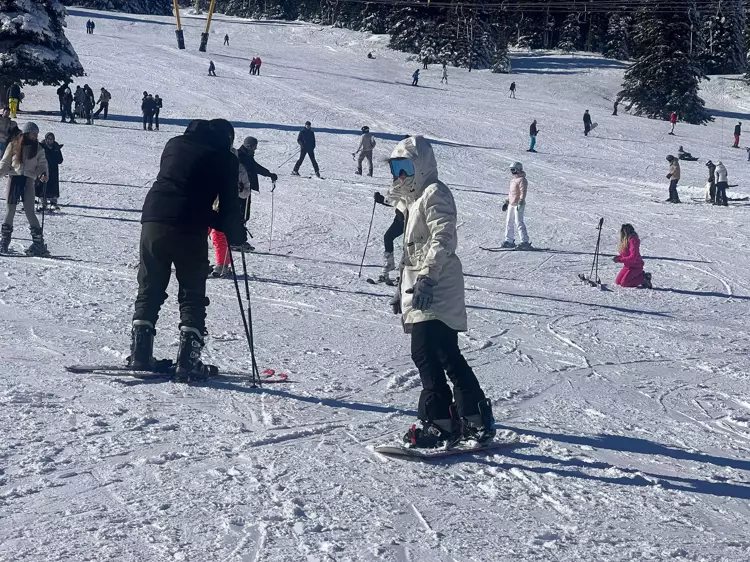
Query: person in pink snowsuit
point(632, 274)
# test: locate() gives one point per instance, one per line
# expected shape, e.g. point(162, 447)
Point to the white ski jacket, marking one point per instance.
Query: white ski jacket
point(430, 239)
point(32, 167)
point(366, 143)
point(721, 172)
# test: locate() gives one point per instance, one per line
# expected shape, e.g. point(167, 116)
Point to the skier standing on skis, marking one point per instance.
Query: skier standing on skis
point(430, 299)
point(512, 90)
point(196, 167)
point(253, 64)
point(211, 68)
point(737, 133)
point(48, 194)
point(586, 123)
point(711, 181)
point(533, 131)
point(24, 161)
point(629, 255)
point(721, 185)
point(673, 122)
point(103, 101)
point(366, 145)
point(394, 231)
point(445, 74)
point(516, 207)
point(674, 177)
point(415, 78)
point(226, 39)
point(148, 107)
point(617, 103)
point(306, 142)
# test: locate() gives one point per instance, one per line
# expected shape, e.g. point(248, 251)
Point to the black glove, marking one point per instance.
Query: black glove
point(379, 198)
point(505, 205)
point(237, 237)
point(274, 177)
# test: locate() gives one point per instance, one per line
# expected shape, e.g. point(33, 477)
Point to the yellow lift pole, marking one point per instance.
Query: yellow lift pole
point(178, 31)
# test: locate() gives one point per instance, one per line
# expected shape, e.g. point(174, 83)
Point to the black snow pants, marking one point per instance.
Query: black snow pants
point(712, 191)
point(721, 193)
point(394, 231)
point(103, 108)
point(148, 119)
point(307, 152)
point(434, 350)
point(673, 196)
point(161, 246)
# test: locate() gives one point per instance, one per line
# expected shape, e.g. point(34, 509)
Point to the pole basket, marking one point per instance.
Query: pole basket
point(204, 42)
point(180, 38)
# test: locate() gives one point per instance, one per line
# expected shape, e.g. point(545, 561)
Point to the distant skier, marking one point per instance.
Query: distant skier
point(370, 56)
point(61, 97)
point(617, 103)
point(246, 154)
point(430, 299)
point(445, 74)
point(516, 207)
point(586, 123)
point(721, 185)
point(158, 104)
point(424, 63)
point(512, 90)
point(673, 122)
point(629, 255)
point(211, 68)
point(6, 125)
point(103, 101)
point(533, 131)
point(148, 107)
point(682, 155)
point(394, 231)
point(226, 39)
point(53, 154)
point(748, 153)
point(711, 183)
point(366, 145)
point(78, 98)
point(14, 98)
point(306, 142)
point(737, 134)
point(415, 78)
point(253, 64)
point(674, 177)
point(258, 64)
point(24, 161)
point(68, 105)
point(196, 167)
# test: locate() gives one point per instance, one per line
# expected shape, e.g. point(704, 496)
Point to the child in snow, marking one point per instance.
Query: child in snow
point(632, 274)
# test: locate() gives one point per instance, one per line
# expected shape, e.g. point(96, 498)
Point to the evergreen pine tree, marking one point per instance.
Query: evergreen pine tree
point(723, 39)
point(617, 40)
point(570, 35)
point(664, 77)
point(155, 7)
point(33, 46)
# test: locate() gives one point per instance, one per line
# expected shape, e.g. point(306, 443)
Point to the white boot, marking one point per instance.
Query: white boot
point(390, 264)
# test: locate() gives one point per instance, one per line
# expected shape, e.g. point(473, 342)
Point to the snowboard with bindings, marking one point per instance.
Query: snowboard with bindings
point(462, 448)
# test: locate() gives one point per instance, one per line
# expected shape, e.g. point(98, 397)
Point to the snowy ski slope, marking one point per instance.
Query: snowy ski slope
point(633, 407)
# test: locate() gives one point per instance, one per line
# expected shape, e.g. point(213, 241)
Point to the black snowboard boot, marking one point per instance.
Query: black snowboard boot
point(38, 247)
point(480, 427)
point(190, 368)
point(142, 345)
point(5, 234)
point(437, 433)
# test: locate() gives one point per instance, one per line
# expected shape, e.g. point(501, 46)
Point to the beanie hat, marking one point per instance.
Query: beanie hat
point(250, 142)
point(29, 127)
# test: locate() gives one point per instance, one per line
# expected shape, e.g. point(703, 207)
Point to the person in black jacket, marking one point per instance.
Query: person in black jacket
point(61, 98)
point(157, 108)
point(533, 132)
point(306, 142)
point(711, 181)
point(48, 195)
point(586, 123)
point(246, 155)
point(68, 105)
point(211, 68)
point(195, 168)
point(148, 107)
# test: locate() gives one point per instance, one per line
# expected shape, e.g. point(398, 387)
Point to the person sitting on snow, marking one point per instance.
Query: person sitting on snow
point(682, 155)
point(631, 274)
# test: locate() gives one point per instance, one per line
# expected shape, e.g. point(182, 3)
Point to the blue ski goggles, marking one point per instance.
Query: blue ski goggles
point(401, 167)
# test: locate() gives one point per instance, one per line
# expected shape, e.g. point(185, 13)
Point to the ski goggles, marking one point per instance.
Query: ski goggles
point(401, 167)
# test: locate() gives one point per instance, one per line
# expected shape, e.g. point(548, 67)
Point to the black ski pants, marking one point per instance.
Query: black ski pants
point(307, 152)
point(148, 119)
point(721, 193)
point(434, 350)
point(161, 246)
point(394, 231)
point(673, 196)
point(103, 108)
point(156, 119)
point(712, 191)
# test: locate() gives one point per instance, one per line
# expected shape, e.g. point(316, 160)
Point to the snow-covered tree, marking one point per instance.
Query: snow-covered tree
point(33, 46)
point(664, 77)
point(155, 7)
point(617, 43)
point(723, 38)
point(570, 35)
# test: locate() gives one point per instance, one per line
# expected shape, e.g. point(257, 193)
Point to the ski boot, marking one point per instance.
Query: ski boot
point(221, 272)
point(317, 174)
point(295, 173)
point(647, 281)
point(53, 206)
point(244, 247)
point(434, 434)
point(5, 234)
point(369, 173)
point(190, 368)
point(358, 172)
point(142, 346)
point(38, 247)
point(524, 246)
point(480, 427)
point(507, 244)
point(390, 263)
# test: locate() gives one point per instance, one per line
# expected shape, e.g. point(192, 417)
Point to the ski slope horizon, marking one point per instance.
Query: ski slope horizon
point(631, 406)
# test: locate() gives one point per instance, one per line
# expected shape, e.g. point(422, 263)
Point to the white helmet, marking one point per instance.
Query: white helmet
point(516, 167)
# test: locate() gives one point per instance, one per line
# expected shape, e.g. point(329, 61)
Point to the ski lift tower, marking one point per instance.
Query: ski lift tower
point(178, 32)
point(204, 36)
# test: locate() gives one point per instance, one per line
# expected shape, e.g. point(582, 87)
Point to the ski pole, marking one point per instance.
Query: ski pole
point(256, 373)
point(287, 160)
point(270, 234)
point(595, 263)
point(44, 203)
point(248, 334)
point(372, 218)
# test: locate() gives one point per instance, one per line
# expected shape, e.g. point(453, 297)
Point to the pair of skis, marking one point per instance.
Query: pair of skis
point(593, 276)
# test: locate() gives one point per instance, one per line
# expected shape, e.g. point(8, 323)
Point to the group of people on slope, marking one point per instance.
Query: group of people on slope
point(443, 77)
point(90, 26)
point(151, 106)
point(716, 185)
point(255, 65)
point(82, 102)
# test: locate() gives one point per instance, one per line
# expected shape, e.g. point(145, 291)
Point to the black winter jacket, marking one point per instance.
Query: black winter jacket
point(148, 106)
point(738, 129)
point(587, 119)
point(196, 167)
point(306, 139)
point(532, 130)
point(247, 159)
point(15, 91)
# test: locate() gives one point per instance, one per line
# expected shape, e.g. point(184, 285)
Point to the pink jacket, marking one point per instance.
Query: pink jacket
point(631, 274)
point(518, 186)
point(673, 118)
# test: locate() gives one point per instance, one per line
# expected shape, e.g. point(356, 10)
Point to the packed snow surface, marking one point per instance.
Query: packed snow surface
point(632, 406)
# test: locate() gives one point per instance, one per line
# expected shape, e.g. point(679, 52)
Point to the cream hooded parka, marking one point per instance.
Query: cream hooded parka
point(430, 238)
